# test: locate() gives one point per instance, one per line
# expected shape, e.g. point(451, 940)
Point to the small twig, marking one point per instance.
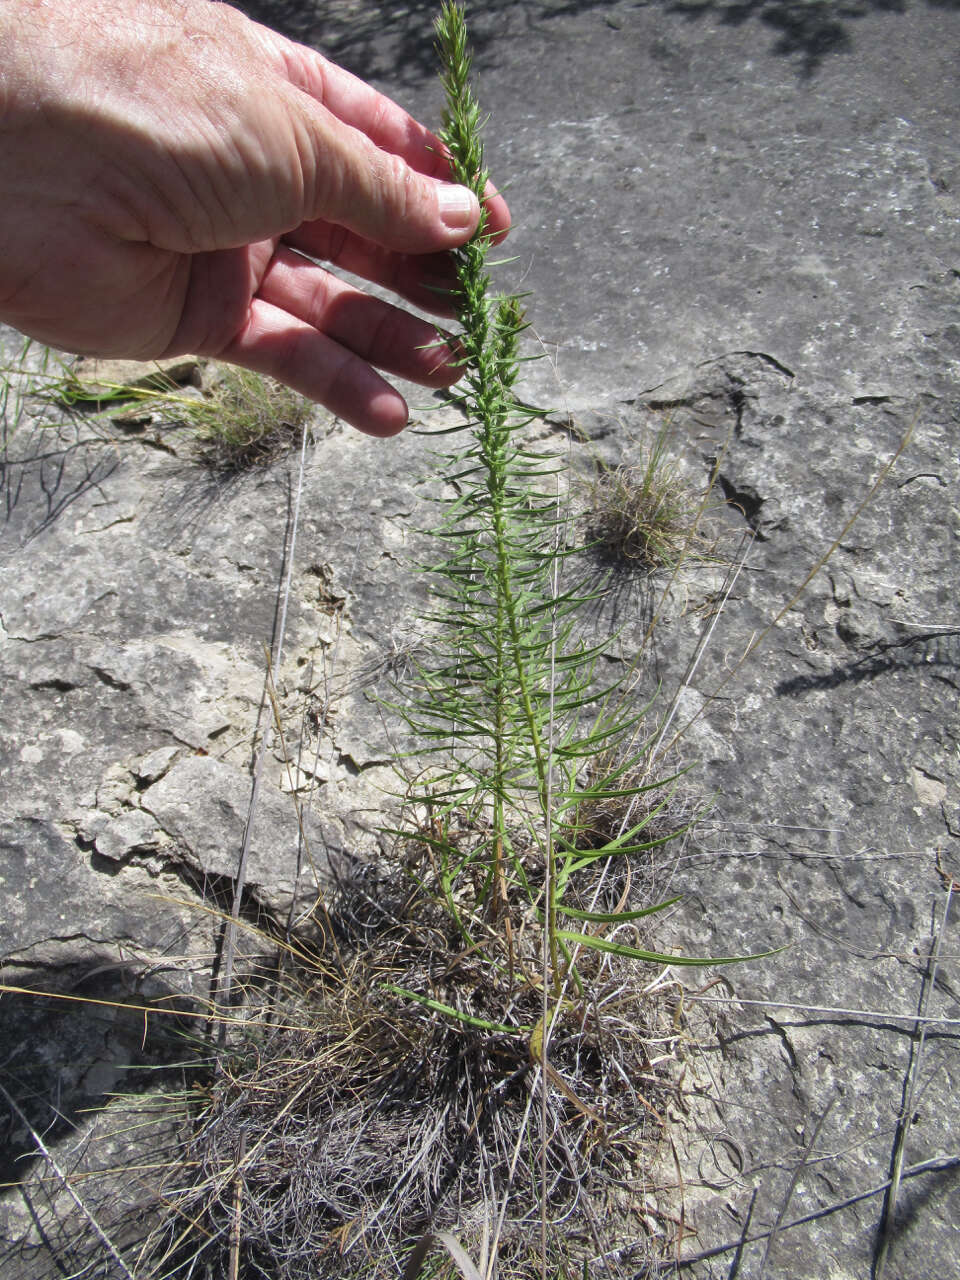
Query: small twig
point(681, 1221)
point(298, 808)
point(548, 1073)
point(521, 1128)
point(937, 1165)
point(65, 1183)
point(791, 1187)
point(882, 1015)
point(738, 1256)
point(237, 1202)
point(329, 673)
point(949, 881)
point(910, 1086)
point(230, 938)
point(703, 642)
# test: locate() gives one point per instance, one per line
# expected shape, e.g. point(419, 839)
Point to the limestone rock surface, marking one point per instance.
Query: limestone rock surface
point(738, 224)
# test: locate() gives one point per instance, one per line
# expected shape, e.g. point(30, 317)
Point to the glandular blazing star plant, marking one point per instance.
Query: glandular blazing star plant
point(522, 748)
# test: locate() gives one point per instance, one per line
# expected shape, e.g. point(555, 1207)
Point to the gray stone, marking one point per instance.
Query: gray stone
point(155, 764)
point(304, 777)
point(118, 837)
point(739, 221)
point(203, 805)
point(62, 906)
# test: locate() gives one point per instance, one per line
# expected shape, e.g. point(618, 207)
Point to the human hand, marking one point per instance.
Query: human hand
point(168, 169)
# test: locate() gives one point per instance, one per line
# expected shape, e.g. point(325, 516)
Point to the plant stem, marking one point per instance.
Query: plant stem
point(490, 347)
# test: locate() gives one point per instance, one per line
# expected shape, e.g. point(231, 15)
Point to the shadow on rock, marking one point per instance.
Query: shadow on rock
point(938, 1192)
point(73, 1041)
point(38, 487)
point(397, 42)
point(935, 651)
point(808, 31)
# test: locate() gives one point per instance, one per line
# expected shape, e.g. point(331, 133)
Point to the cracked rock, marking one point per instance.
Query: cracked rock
point(202, 804)
point(118, 836)
point(155, 764)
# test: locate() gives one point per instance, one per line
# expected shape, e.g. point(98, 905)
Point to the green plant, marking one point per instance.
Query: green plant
point(242, 420)
point(484, 1037)
point(539, 788)
point(509, 703)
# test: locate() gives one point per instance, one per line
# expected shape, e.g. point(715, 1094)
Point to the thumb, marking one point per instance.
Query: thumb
point(377, 194)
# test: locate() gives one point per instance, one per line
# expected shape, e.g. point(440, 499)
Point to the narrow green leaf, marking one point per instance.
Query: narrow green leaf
point(655, 957)
point(617, 917)
point(468, 1019)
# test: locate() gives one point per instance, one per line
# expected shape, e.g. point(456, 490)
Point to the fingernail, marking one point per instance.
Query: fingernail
point(459, 208)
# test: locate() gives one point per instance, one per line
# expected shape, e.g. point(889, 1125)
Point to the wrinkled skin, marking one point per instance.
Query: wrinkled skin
point(170, 170)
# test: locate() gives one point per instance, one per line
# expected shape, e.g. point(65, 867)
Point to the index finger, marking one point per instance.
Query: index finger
point(385, 123)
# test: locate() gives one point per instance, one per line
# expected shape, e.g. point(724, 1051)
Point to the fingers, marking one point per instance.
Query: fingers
point(426, 280)
point(362, 107)
point(321, 336)
point(277, 344)
point(380, 334)
point(374, 193)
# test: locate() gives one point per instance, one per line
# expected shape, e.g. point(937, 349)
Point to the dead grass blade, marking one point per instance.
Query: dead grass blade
point(791, 1187)
point(909, 1092)
point(458, 1254)
point(64, 1181)
point(230, 936)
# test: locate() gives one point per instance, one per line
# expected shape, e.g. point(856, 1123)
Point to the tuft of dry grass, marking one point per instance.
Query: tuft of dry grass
point(240, 420)
point(247, 419)
point(402, 1094)
point(644, 515)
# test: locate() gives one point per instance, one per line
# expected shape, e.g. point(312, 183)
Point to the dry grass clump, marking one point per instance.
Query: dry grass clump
point(644, 515)
point(240, 420)
point(365, 1117)
point(667, 807)
point(247, 419)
